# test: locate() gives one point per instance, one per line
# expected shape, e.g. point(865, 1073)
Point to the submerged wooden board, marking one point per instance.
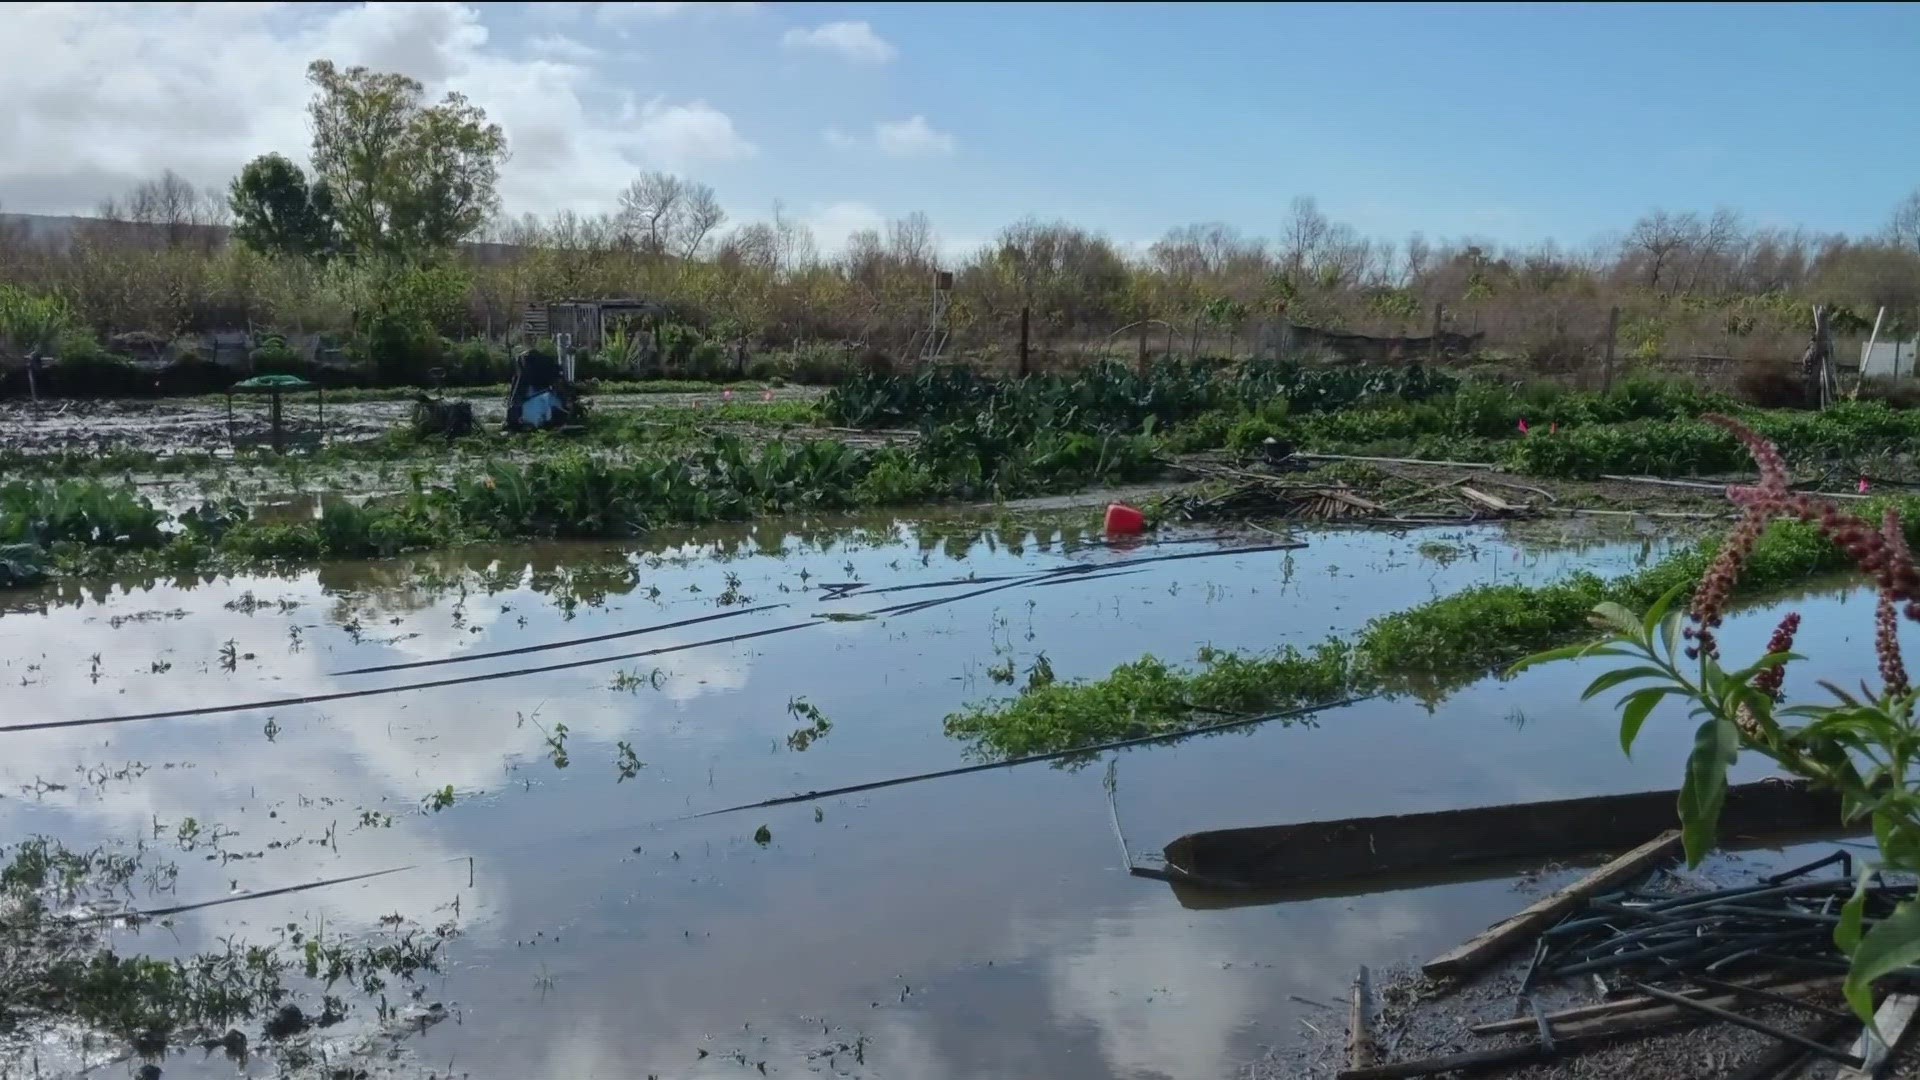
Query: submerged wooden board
point(1322, 852)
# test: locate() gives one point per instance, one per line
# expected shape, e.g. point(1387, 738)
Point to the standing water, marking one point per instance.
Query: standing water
point(983, 924)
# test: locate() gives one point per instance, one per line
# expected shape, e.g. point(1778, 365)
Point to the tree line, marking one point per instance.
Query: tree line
point(395, 232)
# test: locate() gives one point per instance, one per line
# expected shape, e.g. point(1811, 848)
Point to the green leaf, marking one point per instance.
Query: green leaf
point(1846, 934)
point(1612, 615)
point(1670, 636)
point(1635, 707)
point(1565, 652)
point(1658, 612)
point(1893, 943)
point(1715, 746)
point(1771, 660)
point(1614, 678)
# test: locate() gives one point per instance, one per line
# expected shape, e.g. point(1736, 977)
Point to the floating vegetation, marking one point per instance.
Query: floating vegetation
point(63, 967)
point(1425, 649)
point(817, 727)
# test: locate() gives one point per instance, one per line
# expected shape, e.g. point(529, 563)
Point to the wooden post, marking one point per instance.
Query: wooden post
point(1168, 351)
point(1433, 343)
point(1193, 343)
point(1813, 363)
point(1606, 363)
point(1359, 1044)
point(1143, 348)
point(1496, 941)
point(1026, 315)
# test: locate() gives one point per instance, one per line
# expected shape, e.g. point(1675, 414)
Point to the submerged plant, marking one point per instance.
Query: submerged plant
point(1863, 746)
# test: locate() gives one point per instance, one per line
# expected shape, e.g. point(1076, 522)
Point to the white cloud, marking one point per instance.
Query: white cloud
point(202, 89)
point(561, 47)
point(832, 224)
point(615, 14)
point(692, 134)
point(854, 40)
point(912, 137)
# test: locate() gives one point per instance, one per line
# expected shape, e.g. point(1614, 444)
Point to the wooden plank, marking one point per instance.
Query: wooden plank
point(1491, 502)
point(1893, 1018)
point(1359, 1042)
point(1397, 846)
point(1496, 941)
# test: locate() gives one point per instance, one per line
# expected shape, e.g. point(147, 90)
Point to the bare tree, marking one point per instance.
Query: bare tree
point(1905, 227)
point(1419, 258)
point(1715, 242)
point(1659, 240)
point(649, 207)
point(910, 241)
point(699, 215)
point(1304, 234)
point(794, 248)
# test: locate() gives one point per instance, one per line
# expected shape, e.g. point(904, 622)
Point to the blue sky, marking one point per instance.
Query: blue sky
point(1514, 124)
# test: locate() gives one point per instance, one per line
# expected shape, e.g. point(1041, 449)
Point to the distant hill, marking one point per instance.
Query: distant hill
point(57, 232)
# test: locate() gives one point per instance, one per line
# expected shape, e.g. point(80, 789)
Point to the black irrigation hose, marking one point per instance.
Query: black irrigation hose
point(1143, 740)
point(340, 695)
point(1055, 755)
point(465, 657)
point(373, 691)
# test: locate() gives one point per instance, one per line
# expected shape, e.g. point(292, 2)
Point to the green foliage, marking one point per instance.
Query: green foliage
point(1422, 649)
point(1147, 697)
point(30, 323)
point(1113, 395)
point(275, 212)
point(406, 179)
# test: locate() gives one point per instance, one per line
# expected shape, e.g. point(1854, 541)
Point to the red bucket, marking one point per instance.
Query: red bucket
point(1124, 520)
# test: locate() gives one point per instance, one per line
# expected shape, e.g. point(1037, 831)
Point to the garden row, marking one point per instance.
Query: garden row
point(1643, 426)
point(87, 525)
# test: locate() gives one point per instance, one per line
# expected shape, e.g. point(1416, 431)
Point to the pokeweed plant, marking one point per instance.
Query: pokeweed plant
point(1863, 746)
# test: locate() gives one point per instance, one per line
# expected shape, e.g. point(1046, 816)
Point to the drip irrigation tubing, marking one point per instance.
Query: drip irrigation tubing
point(1032, 759)
point(465, 657)
point(1078, 572)
point(784, 800)
point(341, 695)
point(843, 591)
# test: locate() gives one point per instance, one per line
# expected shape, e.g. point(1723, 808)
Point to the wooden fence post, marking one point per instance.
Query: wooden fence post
point(1606, 364)
point(1143, 348)
point(1025, 317)
point(1433, 343)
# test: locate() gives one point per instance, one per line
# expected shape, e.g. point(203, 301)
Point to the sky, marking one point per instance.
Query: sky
point(1508, 124)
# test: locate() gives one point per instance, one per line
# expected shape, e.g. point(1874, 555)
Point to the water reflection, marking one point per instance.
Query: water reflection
point(981, 925)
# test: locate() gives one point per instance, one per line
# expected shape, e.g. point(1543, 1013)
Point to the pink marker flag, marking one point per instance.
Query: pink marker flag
point(726, 395)
point(1863, 485)
point(766, 395)
point(1523, 425)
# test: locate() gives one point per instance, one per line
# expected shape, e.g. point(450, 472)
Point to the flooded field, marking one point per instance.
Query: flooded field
point(977, 925)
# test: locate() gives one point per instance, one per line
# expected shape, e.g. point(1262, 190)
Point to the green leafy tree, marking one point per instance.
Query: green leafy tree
point(276, 212)
point(30, 324)
point(407, 179)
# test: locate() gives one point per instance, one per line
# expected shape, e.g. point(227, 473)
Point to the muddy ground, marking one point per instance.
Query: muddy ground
point(200, 424)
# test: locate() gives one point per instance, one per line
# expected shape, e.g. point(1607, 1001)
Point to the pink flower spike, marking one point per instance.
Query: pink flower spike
point(1553, 428)
point(766, 395)
point(1523, 425)
point(1863, 485)
point(726, 395)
